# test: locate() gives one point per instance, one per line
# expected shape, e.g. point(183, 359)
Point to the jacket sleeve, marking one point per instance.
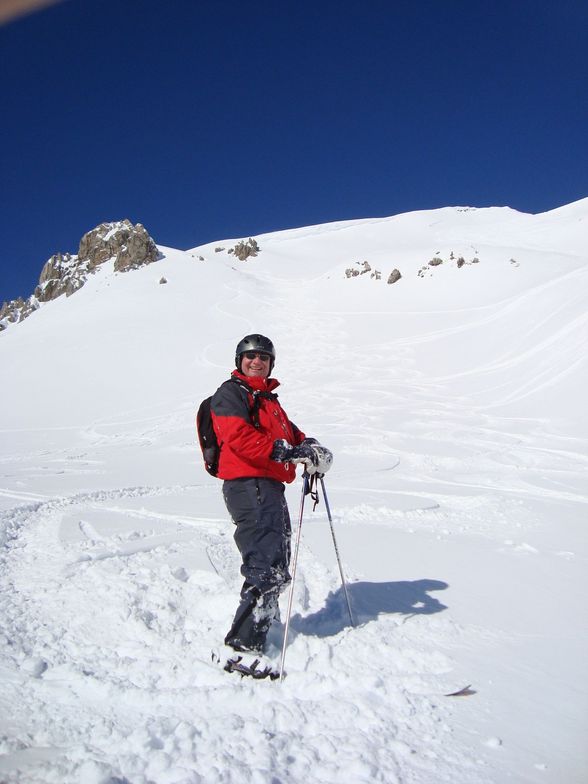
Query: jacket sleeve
point(232, 424)
point(299, 436)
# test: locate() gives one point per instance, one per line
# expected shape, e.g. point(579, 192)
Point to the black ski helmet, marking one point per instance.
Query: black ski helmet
point(255, 343)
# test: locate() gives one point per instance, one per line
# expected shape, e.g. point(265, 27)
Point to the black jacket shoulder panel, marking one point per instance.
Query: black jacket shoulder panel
point(230, 400)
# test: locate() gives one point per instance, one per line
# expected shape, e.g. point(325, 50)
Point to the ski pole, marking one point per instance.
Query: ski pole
point(344, 584)
point(294, 562)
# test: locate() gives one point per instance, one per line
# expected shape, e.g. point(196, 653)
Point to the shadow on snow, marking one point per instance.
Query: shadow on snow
point(368, 601)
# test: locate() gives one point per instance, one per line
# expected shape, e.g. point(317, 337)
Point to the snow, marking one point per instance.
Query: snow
point(455, 407)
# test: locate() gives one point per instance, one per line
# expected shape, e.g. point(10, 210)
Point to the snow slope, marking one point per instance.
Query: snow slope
point(454, 404)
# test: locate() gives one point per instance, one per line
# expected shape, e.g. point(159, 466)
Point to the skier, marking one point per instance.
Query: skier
point(259, 449)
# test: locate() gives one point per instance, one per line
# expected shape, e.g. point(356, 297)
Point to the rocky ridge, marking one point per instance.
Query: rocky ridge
point(128, 245)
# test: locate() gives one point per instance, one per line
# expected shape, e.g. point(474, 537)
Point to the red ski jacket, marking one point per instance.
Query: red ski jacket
point(244, 448)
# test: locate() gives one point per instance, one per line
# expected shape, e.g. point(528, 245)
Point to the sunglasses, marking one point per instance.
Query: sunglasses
point(259, 354)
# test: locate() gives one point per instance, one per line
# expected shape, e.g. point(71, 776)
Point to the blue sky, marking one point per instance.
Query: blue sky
point(212, 120)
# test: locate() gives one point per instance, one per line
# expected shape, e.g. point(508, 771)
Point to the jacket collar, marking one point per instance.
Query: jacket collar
point(257, 382)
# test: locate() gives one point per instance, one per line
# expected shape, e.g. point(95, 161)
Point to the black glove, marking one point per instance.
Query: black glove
point(316, 458)
point(322, 458)
point(305, 453)
point(281, 451)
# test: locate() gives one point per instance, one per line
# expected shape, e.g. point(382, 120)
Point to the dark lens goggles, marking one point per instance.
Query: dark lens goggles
point(252, 354)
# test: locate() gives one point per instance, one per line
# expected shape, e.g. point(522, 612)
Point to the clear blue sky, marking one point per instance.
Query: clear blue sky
point(206, 120)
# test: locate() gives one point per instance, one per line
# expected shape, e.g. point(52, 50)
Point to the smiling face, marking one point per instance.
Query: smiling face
point(255, 363)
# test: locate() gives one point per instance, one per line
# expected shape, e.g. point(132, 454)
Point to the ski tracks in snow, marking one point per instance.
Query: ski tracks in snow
point(106, 663)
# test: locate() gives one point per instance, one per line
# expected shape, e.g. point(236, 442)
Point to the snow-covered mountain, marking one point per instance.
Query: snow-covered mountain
point(453, 400)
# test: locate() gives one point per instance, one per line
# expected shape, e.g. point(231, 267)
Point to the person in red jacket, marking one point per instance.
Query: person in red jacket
point(259, 450)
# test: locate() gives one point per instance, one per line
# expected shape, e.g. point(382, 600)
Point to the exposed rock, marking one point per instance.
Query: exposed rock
point(475, 260)
point(29, 306)
point(218, 250)
point(9, 311)
point(352, 272)
point(460, 262)
point(53, 269)
point(394, 276)
point(376, 274)
point(163, 280)
point(245, 250)
point(16, 310)
point(62, 274)
point(435, 261)
point(129, 246)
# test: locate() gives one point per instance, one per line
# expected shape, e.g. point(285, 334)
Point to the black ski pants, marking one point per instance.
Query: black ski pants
point(259, 511)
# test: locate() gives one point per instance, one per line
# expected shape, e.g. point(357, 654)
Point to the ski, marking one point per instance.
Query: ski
point(467, 691)
point(252, 670)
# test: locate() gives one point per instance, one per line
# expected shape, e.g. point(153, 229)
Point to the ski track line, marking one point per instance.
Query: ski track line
point(534, 384)
point(144, 545)
point(146, 514)
point(21, 495)
point(526, 490)
point(22, 515)
point(515, 359)
point(198, 532)
point(12, 520)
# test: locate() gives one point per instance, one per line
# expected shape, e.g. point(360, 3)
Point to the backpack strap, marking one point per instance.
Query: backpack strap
point(258, 395)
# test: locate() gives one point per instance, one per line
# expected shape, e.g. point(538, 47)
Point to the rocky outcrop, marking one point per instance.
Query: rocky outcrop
point(16, 310)
point(363, 267)
point(245, 250)
point(128, 245)
point(62, 274)
point(436, 261)
point(353, 272)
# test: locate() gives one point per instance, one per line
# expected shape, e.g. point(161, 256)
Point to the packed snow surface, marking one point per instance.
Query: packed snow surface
point(454, 402)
